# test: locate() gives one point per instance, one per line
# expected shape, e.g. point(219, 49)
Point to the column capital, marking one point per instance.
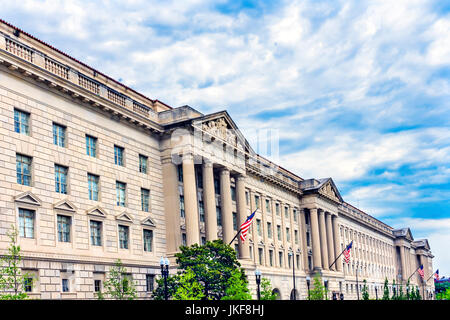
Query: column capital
point(224, 170)
point(207, 163)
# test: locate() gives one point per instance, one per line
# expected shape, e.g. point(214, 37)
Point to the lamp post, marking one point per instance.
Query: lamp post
point(376, 292)
point(258, 282)
point(308, 279)
point(293, 273)
point(325, 284)
point(164, 263)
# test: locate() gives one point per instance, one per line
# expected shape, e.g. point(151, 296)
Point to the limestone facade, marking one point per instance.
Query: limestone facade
point(93, 171)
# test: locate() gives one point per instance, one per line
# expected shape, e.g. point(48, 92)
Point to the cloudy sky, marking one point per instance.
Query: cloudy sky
point(356, 90)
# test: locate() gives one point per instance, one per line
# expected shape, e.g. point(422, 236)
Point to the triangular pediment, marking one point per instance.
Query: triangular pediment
point(97, 211)
point(330, 190)
point(65, 205)
point(148, 222)
point(220, 126)
point(125, 217)
point(28, 198)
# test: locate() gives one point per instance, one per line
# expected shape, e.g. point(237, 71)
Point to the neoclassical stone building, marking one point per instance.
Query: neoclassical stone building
point(93, 171)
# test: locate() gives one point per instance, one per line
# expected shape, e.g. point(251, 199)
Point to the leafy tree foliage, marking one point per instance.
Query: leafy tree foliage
point(188, 287)
point(12, 280)
point(386, 290)
point(365, 292)
point(237, 288)
point(119, 286)
point(318, 290)
point(213, 265)
point(266, 290)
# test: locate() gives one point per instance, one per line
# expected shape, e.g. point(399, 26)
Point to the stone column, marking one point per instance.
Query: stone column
point(323, 240)
point(226, 206)
point(171, 204)
point(302, 231)
point(337, 247)
point(244, 251)
point(402, 262)
point(209, 200)
point(315, 238)
point(330, 240)
point(275, 234)
point(190, 201)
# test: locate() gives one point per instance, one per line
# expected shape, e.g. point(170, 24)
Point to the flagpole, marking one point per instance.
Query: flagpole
point(235, 236)
point(412, 274)
point(337, 257)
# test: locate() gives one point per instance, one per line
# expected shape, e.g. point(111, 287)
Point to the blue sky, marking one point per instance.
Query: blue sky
point(357, 90)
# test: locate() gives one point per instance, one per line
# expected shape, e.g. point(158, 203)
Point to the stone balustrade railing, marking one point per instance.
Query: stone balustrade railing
point(78, 78)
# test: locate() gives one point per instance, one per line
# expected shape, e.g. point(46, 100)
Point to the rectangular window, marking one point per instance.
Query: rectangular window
point(279, 232)
point(93, 186)
point(65, 285)
point(96, 233)
point(288, 235)
point(260, 255)
point(247, 198)
point(216, 184)
point(277, 208)
point(258, 227)
point(269, 230)
point(59, 135)
point(201, 210)
point(91, 146)
point(257, 202)
point(294, 213)
point(28, 284)
point(143, 160)
point(148, 240)
point(233, 193)
point(271, 258)
point(123, 237)
point(145, 199)
point(199, 177)
point(183, 239)
point(180, 173)
point(296, 236)
point(286, 212)
point(97, 285)
point(182, 212)
point(22, 122)
point(268, 205)
point(235, 223)
point(61, 179)
point(219, 216)
point(118, 155)
point(64, 223)
point(23, 169)
point(280, 257)
point(120, 193)
point(26, 223)
point(308, 239)
point(149, 281)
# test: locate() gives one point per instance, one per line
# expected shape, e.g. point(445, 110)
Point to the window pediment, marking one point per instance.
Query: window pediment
point(28, 198)
point(97, 211)
point(65, 205)
point(124, 217)
point(148, 222)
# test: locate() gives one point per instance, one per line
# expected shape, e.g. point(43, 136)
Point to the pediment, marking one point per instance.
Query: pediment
point(124, 217)
point(330, 190)
point(148, 222)
point(65, 205)
point(404, 233)
point(97, 211)
point(219, 125)
point(28, 198)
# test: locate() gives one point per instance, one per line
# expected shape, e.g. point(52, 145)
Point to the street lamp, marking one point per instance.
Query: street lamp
point(258, 282)
point(376, 291)
point(164, 263)
point(308, 279)
point(293, 273)
point(325, 284)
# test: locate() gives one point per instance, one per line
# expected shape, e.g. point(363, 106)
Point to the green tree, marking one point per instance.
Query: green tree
point(418, 296)
point(12, 280)
point(119, 286)
point(386, 290)
point(188, 287)
point(445, 295)
point(212, 263)
point(365, 292)
point(237, 288)
point(267, 290)
point(318, 290)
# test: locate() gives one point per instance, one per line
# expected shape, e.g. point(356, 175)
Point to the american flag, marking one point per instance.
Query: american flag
point(347, 252)
point(436, 274)
point(246, 225)
point(420, 270)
